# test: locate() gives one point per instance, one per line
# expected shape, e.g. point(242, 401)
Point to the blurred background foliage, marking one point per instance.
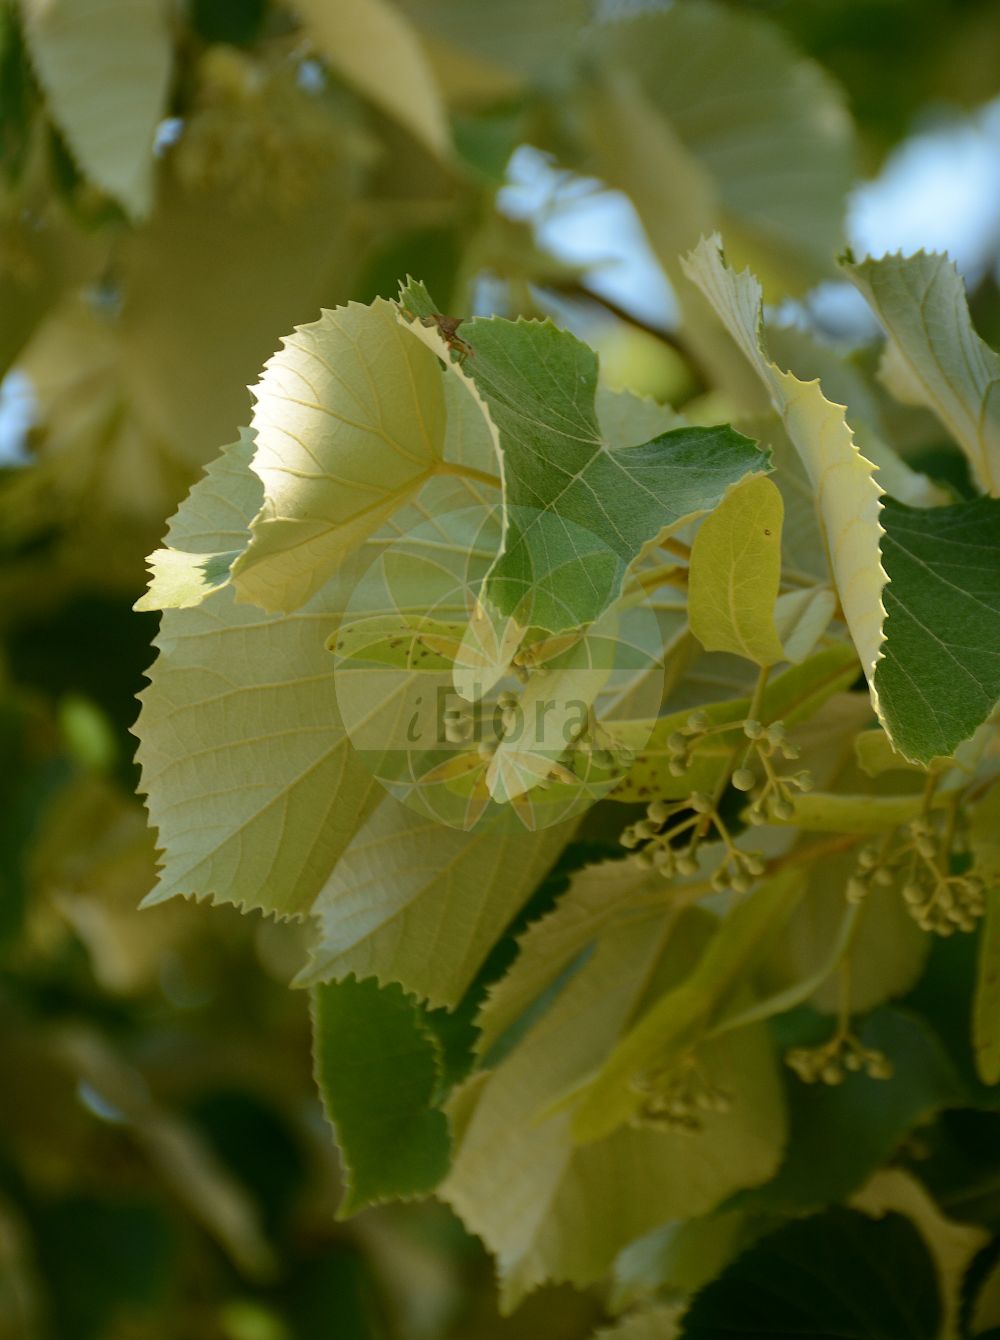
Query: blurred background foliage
point(164, 1167)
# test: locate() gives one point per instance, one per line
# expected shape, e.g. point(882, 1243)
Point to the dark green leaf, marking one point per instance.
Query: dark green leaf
point(939, 676)
point(837, 1276)
point(377, 1067)
point(840, 1134)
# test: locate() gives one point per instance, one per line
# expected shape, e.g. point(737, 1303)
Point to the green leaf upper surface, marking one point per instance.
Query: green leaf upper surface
point(939, 676)
point(251, 780)
point(824, 1277)
point(105, 68)
point(921, 302)
point(349, 422)
point(577, 513)
point(377, 1066)
point(735, 574)
point(518, 1179)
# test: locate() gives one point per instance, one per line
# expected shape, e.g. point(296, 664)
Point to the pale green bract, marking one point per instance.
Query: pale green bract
point(416, 902)
point(680, 1020)
point(735, 574)
point(519, 1180)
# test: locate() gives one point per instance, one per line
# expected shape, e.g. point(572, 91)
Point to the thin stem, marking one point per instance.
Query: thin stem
point(757, 701)
point(677, 547)
point(468, 472)
point(650, 579)
point(844, 997)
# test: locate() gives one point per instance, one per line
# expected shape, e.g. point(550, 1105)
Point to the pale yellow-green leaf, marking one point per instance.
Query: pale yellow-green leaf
point(414, 901)
point(105, 69)
point(766, 137)
point(252, 783)
point(921, 302)
point(682, 1016)
point(951, 1244)
point(195, 331)
point(801, 618)
point(847, 495)
point(93, 449)
point(529, 39)
point(551, 1210)
point(735, 574)
point(373, 46)
point(349, 422)
point(180, 580)
point(803, 549)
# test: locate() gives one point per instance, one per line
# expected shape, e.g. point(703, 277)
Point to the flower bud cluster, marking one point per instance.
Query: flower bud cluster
point(919, 863)
point(654, 841)
point(831, 1062)
point(679, 1097)
point(771, 793)
point(255, 134)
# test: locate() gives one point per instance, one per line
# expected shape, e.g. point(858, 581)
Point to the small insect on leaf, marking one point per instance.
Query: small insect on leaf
point(448, 328)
